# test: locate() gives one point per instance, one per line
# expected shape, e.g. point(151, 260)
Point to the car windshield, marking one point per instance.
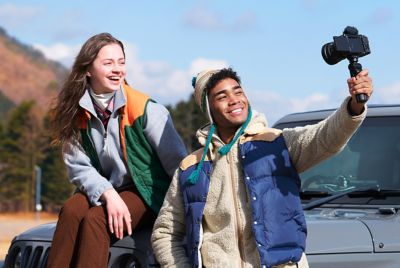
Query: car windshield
point(370, 160)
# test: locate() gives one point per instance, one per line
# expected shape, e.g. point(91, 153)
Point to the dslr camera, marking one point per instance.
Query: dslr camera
point(350, 45)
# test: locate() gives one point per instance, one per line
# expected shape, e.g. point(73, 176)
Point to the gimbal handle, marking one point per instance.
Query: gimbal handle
point(354, 68)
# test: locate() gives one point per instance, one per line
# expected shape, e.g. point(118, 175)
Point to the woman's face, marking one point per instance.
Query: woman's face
point(107, 71)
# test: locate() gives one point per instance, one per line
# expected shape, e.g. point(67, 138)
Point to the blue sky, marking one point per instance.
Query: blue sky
point(274, 45)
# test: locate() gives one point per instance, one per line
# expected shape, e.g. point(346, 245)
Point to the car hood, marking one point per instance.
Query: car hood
point(42, 232)
point(386, 234)
point(351, 231)
point(45, 233)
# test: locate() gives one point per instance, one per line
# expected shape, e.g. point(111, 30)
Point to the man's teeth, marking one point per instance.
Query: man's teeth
point(236, 111)
point(114, 78)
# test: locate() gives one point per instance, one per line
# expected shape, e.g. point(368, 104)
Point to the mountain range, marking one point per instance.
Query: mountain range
point(26, 74)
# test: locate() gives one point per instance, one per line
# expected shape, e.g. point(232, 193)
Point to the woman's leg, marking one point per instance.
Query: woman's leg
point(69, 219)
point(95, 235)
point(142, 216)
point(94, 239)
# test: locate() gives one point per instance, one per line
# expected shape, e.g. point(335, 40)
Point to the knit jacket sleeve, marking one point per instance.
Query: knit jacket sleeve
point(83, 175)
point(170, 228)
point(311, 144)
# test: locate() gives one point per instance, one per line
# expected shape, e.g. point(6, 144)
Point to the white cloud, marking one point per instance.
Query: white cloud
point(16, 15)
point(59, 52)
point(203, 19)
point(316, 100)
point(274, 105)
point(207, 19)
point(160, 80)
point(201, 64)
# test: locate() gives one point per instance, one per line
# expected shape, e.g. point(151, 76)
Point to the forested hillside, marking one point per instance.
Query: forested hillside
point(28, 82)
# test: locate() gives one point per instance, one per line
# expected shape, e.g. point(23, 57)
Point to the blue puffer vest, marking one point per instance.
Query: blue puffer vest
point(273, 184)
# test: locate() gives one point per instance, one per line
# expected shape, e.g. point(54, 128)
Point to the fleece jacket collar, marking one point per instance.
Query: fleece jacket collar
point(86, 101)
point(257, 124)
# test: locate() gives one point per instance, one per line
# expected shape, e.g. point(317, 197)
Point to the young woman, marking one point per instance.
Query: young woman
point(121, 150)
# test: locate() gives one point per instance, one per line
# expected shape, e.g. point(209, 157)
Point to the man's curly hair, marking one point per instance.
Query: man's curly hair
point(221, 75)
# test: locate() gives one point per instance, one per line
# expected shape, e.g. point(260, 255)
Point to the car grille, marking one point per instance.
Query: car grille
point(34, 254)
point(27, 254)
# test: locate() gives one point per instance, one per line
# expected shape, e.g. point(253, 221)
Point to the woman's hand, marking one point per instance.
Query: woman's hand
point(118, 213)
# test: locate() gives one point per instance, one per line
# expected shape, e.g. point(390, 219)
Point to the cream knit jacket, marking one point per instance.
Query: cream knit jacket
point(227, 239)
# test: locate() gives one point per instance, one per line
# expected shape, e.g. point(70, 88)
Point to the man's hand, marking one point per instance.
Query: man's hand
point(362, 83)
point(118, 213)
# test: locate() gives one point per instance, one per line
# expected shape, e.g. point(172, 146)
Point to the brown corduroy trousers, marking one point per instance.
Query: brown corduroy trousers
point(82, 237)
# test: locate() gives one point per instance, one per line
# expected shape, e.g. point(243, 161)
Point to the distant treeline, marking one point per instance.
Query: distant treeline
point(25, 144)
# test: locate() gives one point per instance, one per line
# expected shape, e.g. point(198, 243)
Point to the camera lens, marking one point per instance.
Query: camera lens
point(329, 54)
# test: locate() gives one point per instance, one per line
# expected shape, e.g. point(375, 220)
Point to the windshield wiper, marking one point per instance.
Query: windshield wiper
point(313, 194)
point(374, 192)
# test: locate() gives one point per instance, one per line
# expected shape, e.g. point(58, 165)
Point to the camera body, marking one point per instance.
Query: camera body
point(350, 45)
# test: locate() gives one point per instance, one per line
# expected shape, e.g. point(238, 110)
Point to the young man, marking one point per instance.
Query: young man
point(236, 200)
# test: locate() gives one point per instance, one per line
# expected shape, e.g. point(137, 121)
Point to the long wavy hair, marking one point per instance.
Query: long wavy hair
point(64, 112)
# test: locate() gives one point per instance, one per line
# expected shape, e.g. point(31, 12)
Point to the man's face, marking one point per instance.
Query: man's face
point(228, 105)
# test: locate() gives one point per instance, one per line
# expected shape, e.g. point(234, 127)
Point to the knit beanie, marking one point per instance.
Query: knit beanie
point(201, 97)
